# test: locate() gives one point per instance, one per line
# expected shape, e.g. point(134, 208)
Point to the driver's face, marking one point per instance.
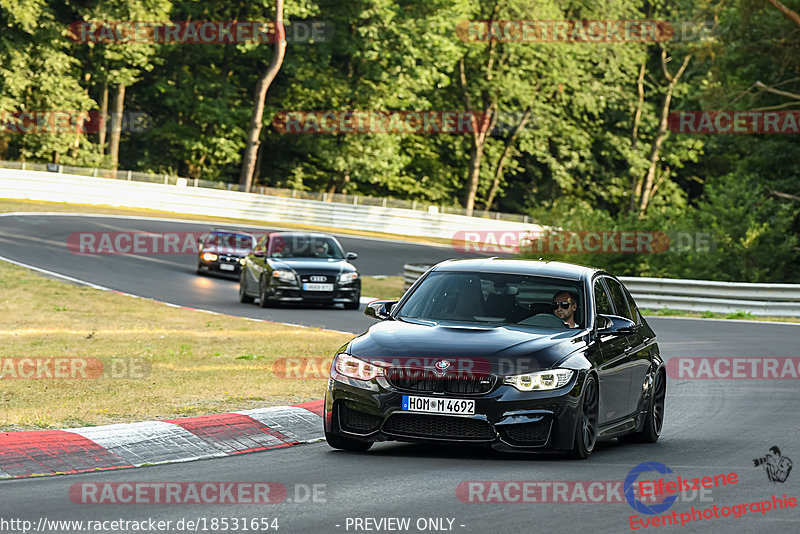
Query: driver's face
point(558, 306)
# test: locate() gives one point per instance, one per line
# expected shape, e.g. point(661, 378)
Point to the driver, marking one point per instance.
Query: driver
point(321, 249)
point(564, 306)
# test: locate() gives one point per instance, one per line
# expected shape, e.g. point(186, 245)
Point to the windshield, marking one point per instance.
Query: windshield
point(304, 246)
point(230, 241)
point(496, 299)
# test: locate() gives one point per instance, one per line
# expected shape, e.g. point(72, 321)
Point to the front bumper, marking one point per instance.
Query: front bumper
point(342, 293)
point(505, 418)
point(216, 265)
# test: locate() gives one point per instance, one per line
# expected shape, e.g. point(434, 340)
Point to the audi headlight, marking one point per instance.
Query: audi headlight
point(209, 256)
point(346, 278)
point(242, 261)
point(540, 380)
point(284, 275)
point(352, 367)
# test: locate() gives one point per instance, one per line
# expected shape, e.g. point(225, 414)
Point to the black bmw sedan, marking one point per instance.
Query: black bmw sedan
point(223, 251)
point(512, 354)
point(300, 267)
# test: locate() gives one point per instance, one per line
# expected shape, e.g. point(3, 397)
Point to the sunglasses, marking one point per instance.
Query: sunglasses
point(564, 305)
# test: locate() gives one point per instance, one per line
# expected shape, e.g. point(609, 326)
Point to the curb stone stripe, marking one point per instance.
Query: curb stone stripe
point(76, 450)
point(149, 442)
point(300, 424)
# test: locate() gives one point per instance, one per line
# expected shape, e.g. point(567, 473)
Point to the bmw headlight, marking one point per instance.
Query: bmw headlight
point(346, 278)
point(352, 367)
point(540, 380)
point(284, 275)
point(209, 256)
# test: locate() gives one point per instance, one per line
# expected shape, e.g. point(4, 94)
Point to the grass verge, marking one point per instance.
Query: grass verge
point(382, 287)
point(186, 362)
point(667, 312)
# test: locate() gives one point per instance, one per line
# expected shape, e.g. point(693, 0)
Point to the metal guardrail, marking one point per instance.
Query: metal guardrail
point(338, 198)
point(180, 198)
point(779, 300)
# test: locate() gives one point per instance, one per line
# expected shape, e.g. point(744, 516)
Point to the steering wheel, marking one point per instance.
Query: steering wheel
point(543, 319)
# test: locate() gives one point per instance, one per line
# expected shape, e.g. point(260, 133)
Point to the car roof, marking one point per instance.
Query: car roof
point(307, 234)
point(553, 269)
point(229, 231)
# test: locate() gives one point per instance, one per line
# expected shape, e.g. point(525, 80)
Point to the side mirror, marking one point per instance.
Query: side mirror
point(614, 325)
point(379, 309)
point(258, 253)
point(199, 244)
point(350, 256)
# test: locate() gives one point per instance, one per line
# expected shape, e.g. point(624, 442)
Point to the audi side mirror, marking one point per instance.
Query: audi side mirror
point(350, 256)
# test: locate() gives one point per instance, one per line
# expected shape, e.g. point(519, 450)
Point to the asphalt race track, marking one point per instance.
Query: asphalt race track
point(712, 426)
point(41, 241)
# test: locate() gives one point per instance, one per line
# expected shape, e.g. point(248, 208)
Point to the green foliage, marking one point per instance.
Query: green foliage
point(574, 166)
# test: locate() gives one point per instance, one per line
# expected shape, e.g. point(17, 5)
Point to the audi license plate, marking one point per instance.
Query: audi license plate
point(317, 287)
point(446, 406)
point(227, 266)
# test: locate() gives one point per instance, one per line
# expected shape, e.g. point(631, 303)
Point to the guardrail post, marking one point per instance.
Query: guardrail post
point(130, 175)
point(94, 172)
point(325, 197)
point(413, 204)
point(384, 202)
point(355, 200)
point(294, 193)
point(195, 182)
point(22, 167)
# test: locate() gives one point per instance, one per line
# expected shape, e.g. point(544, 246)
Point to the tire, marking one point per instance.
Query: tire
point(244, 298)
point(263, 301)
point(347, 444)
point(353, 305)
point(586, 426)
point(654, 421)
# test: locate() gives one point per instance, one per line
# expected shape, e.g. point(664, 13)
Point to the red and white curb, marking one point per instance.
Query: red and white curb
point(77, 450)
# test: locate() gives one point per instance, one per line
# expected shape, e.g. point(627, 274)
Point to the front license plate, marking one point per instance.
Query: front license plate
point(226, 266)
point(429, 405)
point(317, 287)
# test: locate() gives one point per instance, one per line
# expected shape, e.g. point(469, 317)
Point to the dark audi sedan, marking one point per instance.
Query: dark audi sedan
point(512, 354)
point(300, 267)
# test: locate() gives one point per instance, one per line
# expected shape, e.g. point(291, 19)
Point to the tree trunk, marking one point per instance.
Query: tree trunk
point(116, 125)
point(498, 173)
point(786, 11)
point(661, 133)
point(264, 81)
point(636, 181)
point(480, 130)
point(101, 140)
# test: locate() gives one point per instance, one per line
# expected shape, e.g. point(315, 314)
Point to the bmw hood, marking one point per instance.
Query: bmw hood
point(502, 350)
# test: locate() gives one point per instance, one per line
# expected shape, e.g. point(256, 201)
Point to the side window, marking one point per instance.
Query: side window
point(262, 243)
point(601, 302)
point(618, 298)
point(632, 305)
